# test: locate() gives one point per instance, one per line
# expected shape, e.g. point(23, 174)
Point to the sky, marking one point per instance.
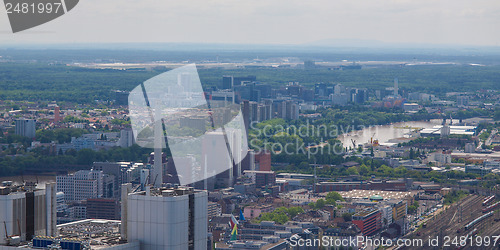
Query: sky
point(457, 22)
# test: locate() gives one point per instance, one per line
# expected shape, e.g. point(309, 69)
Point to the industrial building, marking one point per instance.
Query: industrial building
point(158, 218)
point(26, 211)
point(166, 218)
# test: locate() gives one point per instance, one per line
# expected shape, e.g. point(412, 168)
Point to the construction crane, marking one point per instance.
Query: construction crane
point(373, 142)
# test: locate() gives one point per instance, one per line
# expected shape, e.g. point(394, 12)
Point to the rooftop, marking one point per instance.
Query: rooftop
point(365, 194)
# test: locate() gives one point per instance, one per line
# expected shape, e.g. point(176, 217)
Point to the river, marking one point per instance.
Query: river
point(384, 133)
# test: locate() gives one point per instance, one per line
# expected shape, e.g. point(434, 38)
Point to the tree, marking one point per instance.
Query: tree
point(320, 204)
point(85, 156)
point(334, 196)
point(294, 211)
point(364, 170)
point(347, 217)
point(352, 171)
point(312, 205)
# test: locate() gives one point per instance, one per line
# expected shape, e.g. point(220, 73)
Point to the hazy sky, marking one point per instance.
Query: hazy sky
point(471, 22)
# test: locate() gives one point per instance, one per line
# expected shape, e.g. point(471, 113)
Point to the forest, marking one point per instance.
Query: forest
point(58, 82)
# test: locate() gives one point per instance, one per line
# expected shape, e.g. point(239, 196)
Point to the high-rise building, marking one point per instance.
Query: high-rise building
point(126, 138)
point(254, 110)
point(246, 114)
point(165, 218)
point(26, 212)
point(26, 127)
point(462, 100)
point(339, 89)
point(121, 97)
point(227, 82)
point(81, 185)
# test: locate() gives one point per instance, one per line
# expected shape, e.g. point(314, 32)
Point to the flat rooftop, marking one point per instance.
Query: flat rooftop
point(366, 194)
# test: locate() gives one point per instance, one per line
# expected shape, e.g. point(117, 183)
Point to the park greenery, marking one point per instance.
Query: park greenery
point(330, 199)
point(281, 215)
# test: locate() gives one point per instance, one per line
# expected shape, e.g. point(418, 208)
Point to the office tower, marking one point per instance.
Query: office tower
point(27, 211)
point(265, 90)
point(246, 114)
point(254, 109)
point(26, 127)
point(396, 87)
point(227, 82)
point(248, 91)
point(288, 110)
point(223, 95)
point(126, 138)
point(99, 208)
point(462, 100)
point(269, 109)
point(339, 89)
point(166, 218)
point(239, 80)
point(214, 148)
point(117, 173)
point(361, 96)
point(121, 97)
point(262, 116)
point(81, 185)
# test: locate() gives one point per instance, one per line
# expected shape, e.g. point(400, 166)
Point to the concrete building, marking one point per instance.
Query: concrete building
point(26, 127)
point(262, 178)
point(470, 148)
point(161, 218)
point(227, 82)
point(103, 209)
point(81, 185)
point(26, 212)
point(368, 221)
point(126, 138)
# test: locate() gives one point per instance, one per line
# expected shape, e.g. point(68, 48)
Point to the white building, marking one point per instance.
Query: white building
point(441, 157)
point(81, 185)
point(411, 107)
point(470, 148)
point(126, 138)
point(161, 218)
point(27, 213)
